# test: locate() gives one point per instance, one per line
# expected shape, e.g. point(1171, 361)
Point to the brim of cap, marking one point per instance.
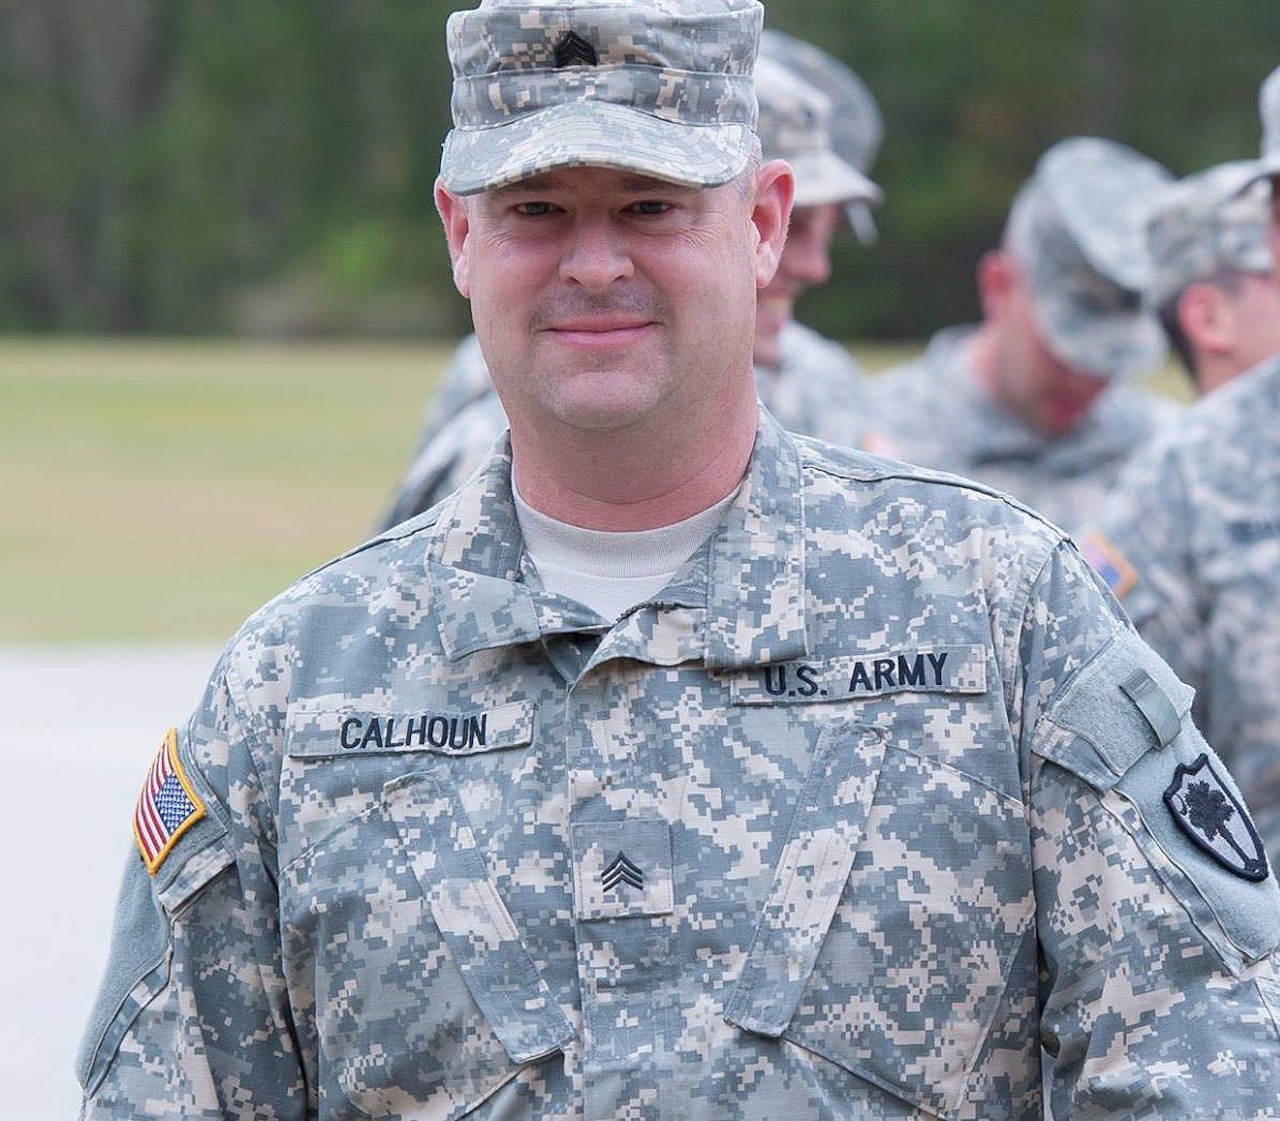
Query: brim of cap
point(1117, 346)
point(862, 222)
point(593, 134)
point(823, 177)
point(1265, 168)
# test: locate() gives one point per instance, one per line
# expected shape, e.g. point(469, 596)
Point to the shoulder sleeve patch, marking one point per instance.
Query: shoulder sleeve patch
point(1109, 563)
point(1208, 812)
point(167, 806)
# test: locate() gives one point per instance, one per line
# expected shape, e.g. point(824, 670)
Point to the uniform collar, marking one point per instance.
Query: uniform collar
point(745, 587)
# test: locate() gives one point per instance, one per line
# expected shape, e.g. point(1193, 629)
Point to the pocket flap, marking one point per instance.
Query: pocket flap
point(475, 924)
point(1126, 702)
point(810, 878)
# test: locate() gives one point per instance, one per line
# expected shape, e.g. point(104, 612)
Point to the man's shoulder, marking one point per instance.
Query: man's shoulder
point(366, 578)
point(1234, 429)
point(920, 492)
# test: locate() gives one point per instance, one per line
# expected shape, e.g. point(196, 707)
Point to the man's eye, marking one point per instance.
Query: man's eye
point(650, 207)
point(535, 209)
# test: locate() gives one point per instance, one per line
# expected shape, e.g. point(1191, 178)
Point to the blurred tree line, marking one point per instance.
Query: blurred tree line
point(182, 166)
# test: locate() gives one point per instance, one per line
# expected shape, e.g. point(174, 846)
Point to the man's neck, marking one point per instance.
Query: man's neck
point(638, 478)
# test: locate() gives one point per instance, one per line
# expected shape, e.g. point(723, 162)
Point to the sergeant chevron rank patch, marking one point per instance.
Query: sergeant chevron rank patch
point(572, 49)
point(621, 871)
point(1207, 811)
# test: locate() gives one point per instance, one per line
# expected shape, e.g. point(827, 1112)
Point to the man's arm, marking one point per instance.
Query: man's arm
point(1158, 916)
point(191, 1019)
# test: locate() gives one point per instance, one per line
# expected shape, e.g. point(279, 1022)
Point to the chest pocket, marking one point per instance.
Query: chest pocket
point(426, 1000)
point(901, 901)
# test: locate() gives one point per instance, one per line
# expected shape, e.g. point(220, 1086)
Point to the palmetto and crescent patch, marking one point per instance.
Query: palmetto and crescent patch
point(1207, 811)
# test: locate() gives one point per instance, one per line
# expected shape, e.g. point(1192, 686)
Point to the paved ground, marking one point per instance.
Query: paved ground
point(80, 725)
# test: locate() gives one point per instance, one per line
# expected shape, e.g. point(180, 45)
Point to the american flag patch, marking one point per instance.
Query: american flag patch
point(167, 806)
point(1109, 563)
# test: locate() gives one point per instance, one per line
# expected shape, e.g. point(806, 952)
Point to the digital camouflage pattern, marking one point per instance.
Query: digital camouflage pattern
point(1077, 227)
point(1208, 223)
point(817, 391)
point(934, 411)
point(856, 127)
point(1191, 540)
point(660, 87)
point(858, 812)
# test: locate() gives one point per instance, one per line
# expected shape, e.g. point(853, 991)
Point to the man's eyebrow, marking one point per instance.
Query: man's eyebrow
point(632, 185)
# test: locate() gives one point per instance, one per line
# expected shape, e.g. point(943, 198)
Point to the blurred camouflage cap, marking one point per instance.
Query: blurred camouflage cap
point(795, 125)
point(1078, 228)
point(658, 87)
point(854, 119)
point(1212, 221)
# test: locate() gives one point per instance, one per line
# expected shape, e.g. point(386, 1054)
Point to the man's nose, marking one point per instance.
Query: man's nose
point(597, 254)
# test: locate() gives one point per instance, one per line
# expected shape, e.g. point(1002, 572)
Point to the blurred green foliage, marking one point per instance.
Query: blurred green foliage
point(265, 166)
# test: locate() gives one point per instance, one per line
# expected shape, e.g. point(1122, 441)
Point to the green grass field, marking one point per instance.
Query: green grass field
point(162, 490)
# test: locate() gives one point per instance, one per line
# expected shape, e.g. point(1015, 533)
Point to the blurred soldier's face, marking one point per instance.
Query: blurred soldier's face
point(602, 298)
point(1018, 365)
point(806, 263)
point(1255, 316)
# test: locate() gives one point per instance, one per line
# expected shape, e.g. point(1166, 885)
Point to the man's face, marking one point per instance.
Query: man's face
point(1256, 316)
point(1027, 377)
point(604, 299)
point(806, 263)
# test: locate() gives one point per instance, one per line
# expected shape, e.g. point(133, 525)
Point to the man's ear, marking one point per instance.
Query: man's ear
point(996, 277)
point(1205, 316)
point(457, 229)
point(771, 214)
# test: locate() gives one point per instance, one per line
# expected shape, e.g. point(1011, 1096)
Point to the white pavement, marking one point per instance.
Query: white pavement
point(81, 724)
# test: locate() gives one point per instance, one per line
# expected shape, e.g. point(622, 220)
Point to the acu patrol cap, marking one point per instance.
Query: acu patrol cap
point(853, 124)
point(1077, 227)
point(795, 125)
point(1204, 224)
point(659, 87)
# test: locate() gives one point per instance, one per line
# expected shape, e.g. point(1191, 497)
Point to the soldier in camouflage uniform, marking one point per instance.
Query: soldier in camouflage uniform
point(1190, 541)
point(819, 116)
point(1032, 401)
point(873, 797)
point(1212, 283)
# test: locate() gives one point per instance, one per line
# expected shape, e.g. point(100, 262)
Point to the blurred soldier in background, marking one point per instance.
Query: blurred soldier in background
point(1190, 541)
point(816, 114)
point(1212, 283)
point(1032, 401)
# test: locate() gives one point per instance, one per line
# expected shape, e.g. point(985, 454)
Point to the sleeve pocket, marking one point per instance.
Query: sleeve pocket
point(137, 969)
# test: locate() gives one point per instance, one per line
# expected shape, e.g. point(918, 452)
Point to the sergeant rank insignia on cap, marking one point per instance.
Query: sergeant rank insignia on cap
point(167, 806)
point(572, 49)
point(1212, 817)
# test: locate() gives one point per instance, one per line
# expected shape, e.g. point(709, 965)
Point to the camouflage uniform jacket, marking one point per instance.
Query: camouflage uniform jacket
point(817, 391)
point(1191, 541)
point(933, 411)
point(843, 824)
